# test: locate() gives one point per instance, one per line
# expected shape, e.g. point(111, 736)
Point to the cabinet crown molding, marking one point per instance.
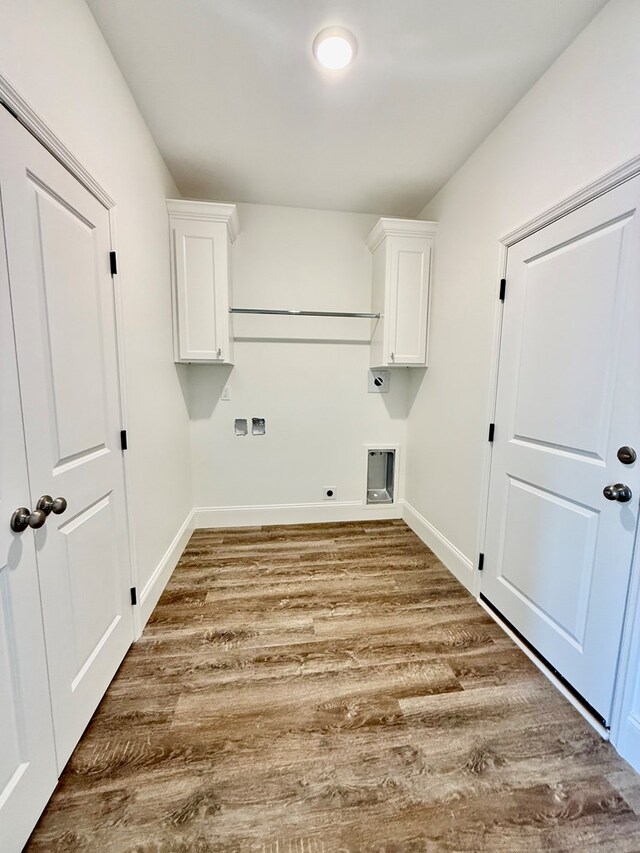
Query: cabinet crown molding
point(387, 226)
point(211, 211)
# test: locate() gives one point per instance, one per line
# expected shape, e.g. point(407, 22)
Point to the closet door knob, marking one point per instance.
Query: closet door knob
point(22, 518)
point(618, 492)
point(48, 504)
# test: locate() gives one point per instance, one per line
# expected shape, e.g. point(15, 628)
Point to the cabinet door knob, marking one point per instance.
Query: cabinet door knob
point(393, 355)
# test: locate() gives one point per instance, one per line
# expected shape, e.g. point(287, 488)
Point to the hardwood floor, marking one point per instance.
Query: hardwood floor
point(333, 689)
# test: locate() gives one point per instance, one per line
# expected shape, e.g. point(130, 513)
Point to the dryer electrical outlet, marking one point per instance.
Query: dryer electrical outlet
point(379, 381)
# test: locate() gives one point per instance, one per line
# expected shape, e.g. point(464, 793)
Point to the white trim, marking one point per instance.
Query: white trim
point(43, 133)
point(399, 228)
point(122, 400)
point(614, 177)
point(627, 740)
point(154, 587)
point(625, 722)
point(490, 417)
point(301, 513)
point(604, 734)
point(460, 566)
point(211, 211)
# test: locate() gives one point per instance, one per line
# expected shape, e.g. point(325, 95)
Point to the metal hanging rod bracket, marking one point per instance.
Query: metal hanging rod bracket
point(286, 313)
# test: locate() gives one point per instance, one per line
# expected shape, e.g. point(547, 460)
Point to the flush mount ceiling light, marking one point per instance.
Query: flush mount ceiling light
point(334, 48)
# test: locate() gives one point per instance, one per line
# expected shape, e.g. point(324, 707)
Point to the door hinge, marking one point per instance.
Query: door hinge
point(123, 439)
point(480, 562)
point(113, 263)
point(503, 288)
point(134, 595)
point(492, 430)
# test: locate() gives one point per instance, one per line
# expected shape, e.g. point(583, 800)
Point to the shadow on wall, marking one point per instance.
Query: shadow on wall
point(203, 385)
point(182, 372)
point(301, 330)
point(197, 180)
point(415, 378)
point(399, 401)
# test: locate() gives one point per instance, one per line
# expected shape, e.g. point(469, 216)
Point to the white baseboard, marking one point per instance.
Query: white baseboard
point(303, 513)
point(154, 587)
point(309, 513)
point(248, 516)
point(459, 565)
point(627, 740)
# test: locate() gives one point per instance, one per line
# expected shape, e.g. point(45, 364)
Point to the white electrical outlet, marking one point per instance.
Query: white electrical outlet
point(226, 393)
point(329, 493)
point(379, 381)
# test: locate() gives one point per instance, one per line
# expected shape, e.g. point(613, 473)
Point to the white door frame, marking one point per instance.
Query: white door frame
point(29, 118)
point(629, 661)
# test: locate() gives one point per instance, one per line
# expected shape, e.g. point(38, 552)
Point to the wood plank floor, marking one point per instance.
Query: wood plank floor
point(332, 689)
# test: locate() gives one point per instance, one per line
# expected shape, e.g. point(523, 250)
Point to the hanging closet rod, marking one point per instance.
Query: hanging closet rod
point(286, 313)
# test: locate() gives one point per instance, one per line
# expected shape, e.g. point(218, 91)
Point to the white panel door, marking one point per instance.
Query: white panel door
point(409, 261)
point(558, 552)
point(27, 755)
point(57, 239)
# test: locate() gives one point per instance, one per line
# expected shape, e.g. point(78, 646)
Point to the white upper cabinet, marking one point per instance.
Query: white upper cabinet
point(402, 250)
point(201, 236)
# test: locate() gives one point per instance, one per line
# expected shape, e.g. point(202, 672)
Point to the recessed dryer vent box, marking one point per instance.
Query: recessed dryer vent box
point(381, 469)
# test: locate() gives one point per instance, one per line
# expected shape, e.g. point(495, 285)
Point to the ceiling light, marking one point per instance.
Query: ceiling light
point(334, 48)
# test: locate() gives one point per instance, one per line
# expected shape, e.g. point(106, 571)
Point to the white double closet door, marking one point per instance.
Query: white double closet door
point(65, 609)
point(565, 478)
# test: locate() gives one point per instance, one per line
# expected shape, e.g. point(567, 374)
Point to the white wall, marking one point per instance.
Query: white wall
point(580, 120)
point(306, 376)
point(52, 52)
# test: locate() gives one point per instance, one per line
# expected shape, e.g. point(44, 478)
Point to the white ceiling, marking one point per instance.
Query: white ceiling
point(241, 112)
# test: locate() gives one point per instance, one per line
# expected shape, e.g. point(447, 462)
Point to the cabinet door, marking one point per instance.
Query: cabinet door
point(27, 756)
point(200, 275)
point(408, 300)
